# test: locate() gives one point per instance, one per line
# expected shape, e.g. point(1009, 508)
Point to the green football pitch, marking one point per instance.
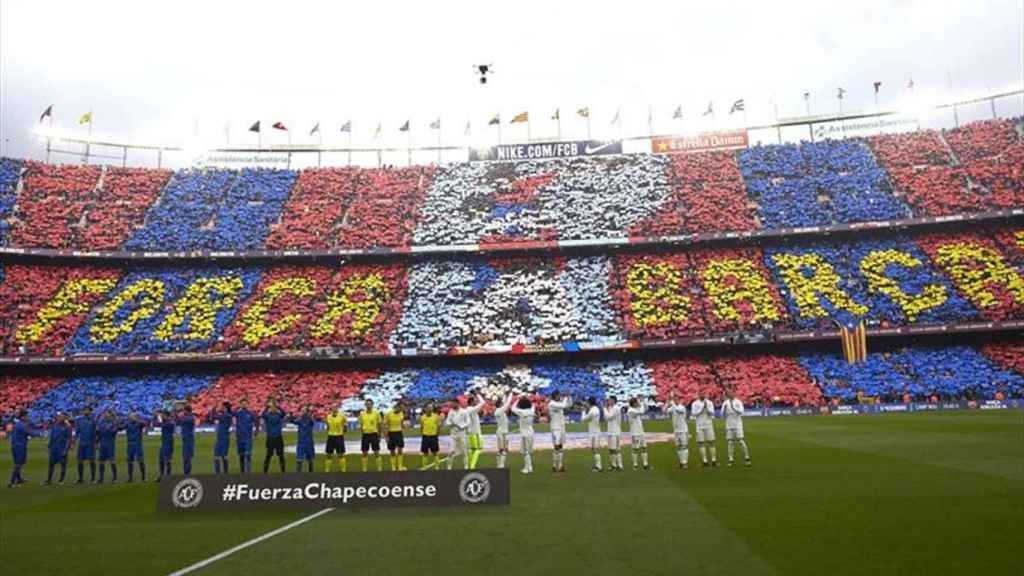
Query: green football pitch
point(939, 493)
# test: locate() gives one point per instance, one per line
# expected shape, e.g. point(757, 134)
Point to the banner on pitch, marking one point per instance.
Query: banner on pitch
point(701, 142)
point(545, 150)
point(244, 493)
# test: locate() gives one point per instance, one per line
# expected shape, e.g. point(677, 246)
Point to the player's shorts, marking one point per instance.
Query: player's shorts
point(106, 452)
point(558, 437)
point(335, 444)
point(682, 438)
point(58, 457)
point(396, 440)
point(613, 441)
point(705, 433)
point(86, 451)
point(734, 433)
point(244, 446)
point(638, 441)
point(166, 452)
point(502, 439)
point(305, 451)
point(475, 442)
point(595, 440)
point(275, 445)
point(188, 448)
point(429, 444)
point(135, 453)
point(371, 441)
point(20, 456)
point(526, 443)
point(220, 447)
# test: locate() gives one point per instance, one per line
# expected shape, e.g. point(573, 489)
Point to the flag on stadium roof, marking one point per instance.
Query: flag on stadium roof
point(877, 86)
point(678, 112)
point(807, 95)
point(617, 113)
point(86, 118)
point(466, 132)
point(555, 116)
point(496, 119)
point(347, 127)
point(48, 113)
point(910, 85)
point(521, 117)
point(840, 93)
point(710, 110)
point(404, 127)
point(279, 126)
point(436, 124)
point(737, 106)
point(585, 111)
point(315, 129)
point(255, 127)
point(376, 133)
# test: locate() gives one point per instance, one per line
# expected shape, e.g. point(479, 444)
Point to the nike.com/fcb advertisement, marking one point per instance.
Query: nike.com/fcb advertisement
point(546, 150)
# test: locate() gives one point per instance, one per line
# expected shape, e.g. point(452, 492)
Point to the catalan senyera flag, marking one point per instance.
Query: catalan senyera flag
point(85, 118)
point(521, 117)
point(855, 342)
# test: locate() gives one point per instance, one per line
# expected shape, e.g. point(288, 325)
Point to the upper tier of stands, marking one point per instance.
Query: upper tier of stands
point(973, 169)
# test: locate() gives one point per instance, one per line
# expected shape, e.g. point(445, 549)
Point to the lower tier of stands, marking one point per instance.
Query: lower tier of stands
point(760, 379)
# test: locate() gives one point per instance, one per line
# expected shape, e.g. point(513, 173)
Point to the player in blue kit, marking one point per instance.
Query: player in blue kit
point(305, 451)
point(187, 426)
point(245, 421)
point(58, 443)
point(167, 425)
point(108, 428)
point(85, 432)
point(273, 420)
point(222, 418)
point(20, 432)
point(135, 428)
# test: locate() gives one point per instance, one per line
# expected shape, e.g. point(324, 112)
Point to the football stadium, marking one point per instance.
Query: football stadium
point(463, 304)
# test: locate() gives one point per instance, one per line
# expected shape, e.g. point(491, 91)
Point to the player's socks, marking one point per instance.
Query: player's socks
point(633, 456)
point(746, 452)
point(366, 463)
point(714, 455)
point(643, 458)
point(113, 472)
point(391, 462)
point(729, 450)
point(216, 465)
point(380, 463)
point(704, 454)
point(92, 471)
point(597, 460)
point(142, 470)
point(401, 461)
point(474, 455)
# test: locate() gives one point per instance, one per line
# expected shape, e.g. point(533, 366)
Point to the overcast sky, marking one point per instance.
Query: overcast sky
point(165, 72)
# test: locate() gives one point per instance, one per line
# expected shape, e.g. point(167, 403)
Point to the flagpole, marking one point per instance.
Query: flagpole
point(529, 137)
point(49, 136)
point(558, 120)
point(408, 134)
point(949, 84)
point(499, 131)
point(89, 142)
point(439, 141)
point(350, 145)
point(588, 124)
point(650, 120)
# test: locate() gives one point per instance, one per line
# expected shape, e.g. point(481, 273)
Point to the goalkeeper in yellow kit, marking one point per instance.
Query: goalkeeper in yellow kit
point(394, 420)
point(336, 422)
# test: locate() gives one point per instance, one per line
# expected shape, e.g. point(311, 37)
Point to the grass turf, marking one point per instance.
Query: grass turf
point(938, 493)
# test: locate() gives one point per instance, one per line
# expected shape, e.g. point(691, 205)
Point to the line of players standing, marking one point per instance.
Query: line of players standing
point(98, 435)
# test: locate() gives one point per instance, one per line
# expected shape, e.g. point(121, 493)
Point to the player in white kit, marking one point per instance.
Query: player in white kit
point(703, 412)
point(680, 429)
point(638, 439)
point(501, 431)
point(556, 413)
point(732, 409)
point(524, 411)
point(593, 419)
point(458, 428)
point(613, 418)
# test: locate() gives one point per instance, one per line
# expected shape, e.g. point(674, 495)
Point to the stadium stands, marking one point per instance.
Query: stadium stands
point(975, 168)
point(454, 305)
point(762, 379)
point(500, 302)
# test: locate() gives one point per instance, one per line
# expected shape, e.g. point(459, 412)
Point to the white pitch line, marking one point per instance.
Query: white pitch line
point(244, 545)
